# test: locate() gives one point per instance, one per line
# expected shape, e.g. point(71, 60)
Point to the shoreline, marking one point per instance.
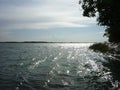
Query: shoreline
point(45, 42)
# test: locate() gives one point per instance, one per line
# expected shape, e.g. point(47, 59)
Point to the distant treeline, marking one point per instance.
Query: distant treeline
point(41, 42)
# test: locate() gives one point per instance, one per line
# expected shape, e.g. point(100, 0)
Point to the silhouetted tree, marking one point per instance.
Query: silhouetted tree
point(108, 14)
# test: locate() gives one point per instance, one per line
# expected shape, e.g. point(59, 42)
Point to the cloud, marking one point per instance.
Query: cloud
point(37, 14)
point(19, 2)
point(46, 25)
point(5, 35)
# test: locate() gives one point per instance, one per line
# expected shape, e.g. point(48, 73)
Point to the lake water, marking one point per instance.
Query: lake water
point(55, 66)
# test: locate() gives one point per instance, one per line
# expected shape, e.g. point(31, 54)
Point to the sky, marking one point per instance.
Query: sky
point(47, 20)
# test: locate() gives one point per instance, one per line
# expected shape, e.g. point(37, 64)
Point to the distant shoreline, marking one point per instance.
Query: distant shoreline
point(43, 42)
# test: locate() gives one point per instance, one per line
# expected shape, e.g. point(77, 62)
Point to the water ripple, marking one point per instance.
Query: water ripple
point(54, 66)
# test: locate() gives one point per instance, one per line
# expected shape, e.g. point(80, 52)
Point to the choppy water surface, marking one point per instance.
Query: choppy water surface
point(29, 66)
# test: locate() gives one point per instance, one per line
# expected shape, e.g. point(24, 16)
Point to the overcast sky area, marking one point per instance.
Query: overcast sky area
point(47, 20)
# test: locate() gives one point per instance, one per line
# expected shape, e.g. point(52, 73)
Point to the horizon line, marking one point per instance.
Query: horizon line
point(43, 42)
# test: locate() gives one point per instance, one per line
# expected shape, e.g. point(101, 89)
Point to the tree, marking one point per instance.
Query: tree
point(107, 13)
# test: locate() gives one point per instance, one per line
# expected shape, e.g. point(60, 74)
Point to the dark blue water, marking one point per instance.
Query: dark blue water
point(45, 66)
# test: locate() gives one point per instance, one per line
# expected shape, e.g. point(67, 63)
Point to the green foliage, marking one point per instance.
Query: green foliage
point(108, 14)
point(113, 34)
point(100, 47)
